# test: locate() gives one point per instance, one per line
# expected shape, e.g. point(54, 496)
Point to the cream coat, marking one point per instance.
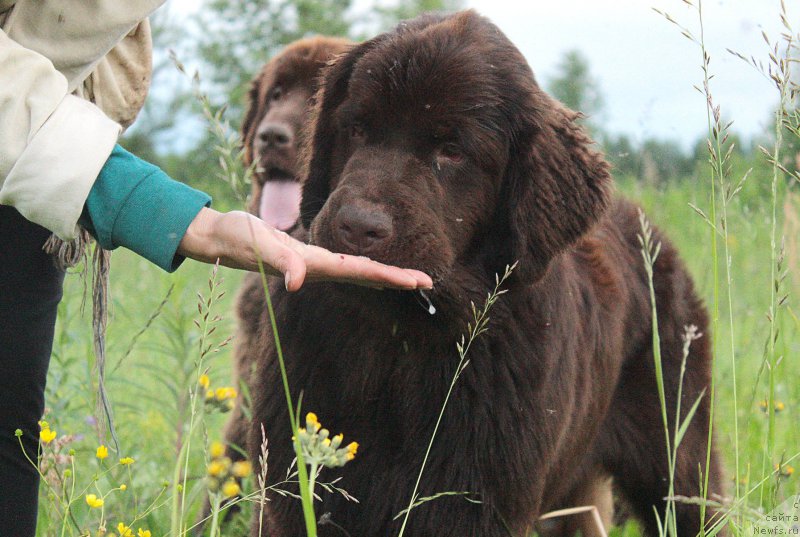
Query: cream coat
point(72, 74)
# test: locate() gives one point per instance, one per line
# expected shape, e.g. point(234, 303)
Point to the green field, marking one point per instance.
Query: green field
point(153, 366)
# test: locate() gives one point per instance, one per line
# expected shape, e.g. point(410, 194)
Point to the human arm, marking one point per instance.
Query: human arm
point(136, 205)
point(53, 144)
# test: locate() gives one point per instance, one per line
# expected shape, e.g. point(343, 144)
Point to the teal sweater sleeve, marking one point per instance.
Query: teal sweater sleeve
point(136, 205)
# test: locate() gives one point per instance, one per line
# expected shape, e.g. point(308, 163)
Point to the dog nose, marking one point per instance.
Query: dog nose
point(364, 228)
point(275, 135)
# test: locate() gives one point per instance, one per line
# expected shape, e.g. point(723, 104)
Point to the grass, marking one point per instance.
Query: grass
point(162, 337)
point(151, 372)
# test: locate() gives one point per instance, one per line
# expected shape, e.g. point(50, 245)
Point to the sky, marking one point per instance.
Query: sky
point(647, 71)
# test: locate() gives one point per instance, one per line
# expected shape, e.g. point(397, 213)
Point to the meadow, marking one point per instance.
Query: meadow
point(166, 331)
point(154, 349)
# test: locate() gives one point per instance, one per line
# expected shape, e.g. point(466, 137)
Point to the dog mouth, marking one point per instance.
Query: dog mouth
point(279, 205)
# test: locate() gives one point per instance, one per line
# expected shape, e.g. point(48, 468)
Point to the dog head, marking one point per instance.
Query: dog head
point(279, 103)
point(433, 146)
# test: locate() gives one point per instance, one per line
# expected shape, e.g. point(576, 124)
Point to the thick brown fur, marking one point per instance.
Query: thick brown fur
point(280, 94)
point(433, 147)
point(294, 72)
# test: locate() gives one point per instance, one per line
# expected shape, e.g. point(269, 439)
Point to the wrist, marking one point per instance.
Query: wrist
point(200, 241)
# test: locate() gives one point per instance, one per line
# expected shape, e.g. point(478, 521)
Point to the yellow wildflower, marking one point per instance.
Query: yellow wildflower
point(123, 487)
point(241, 468)
point(216, 450)
point(93, 501)
point(230, 489)
point(102, 452)
point(216, 468)
point(225, 393)
point(143, 533)
point(209, 394)
point(784, 470)
point(204, 381)
point(47, 436)
point(312, 422)
point(124, 531)
point(127, 461)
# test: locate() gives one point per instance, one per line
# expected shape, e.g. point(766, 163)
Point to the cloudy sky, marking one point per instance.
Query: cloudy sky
point(646, 69)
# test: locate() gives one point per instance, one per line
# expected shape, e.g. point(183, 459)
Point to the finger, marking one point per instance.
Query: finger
point(288, 261)
point(325, 265)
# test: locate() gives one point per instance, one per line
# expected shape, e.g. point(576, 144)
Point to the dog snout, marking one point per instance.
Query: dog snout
point(363, 227)
point(275, 135)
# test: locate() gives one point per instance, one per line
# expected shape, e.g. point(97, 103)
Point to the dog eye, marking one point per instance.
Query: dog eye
point(451, 152)
point(357, 131)
point(277, 93)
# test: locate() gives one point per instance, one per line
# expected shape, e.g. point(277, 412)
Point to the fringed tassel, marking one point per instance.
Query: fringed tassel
point(67, 254)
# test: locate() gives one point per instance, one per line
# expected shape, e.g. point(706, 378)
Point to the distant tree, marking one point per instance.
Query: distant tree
point(230, 40)
point(623, 156)
point(575, 86)
point(238, 36)
point(390, 13)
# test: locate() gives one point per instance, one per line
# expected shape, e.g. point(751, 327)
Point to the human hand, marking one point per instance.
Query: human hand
point(237, 239)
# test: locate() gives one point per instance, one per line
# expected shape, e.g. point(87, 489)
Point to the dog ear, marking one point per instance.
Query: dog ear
point(256, 104)
point(256, 108)
point(557, 185)
point(318, 147)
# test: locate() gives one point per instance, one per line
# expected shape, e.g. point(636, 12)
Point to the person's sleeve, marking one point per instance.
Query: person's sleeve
point(136, 205)
point(52, 144)
point(75, 34)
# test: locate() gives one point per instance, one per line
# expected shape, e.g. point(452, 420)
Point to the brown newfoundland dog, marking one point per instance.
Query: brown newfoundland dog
point(280, 101)
point(278, 106)
point(433, 147)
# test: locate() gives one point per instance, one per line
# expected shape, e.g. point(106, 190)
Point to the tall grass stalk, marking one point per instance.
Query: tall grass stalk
point(779, 71)
point(720, 171)
point(306, 494)
point(474, 330)
point(207, 326)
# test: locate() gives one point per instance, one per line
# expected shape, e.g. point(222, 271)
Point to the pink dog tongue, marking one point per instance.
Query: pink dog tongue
point(280, 203)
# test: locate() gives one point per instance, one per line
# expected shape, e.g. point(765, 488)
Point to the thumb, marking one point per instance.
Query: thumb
point(290, 263)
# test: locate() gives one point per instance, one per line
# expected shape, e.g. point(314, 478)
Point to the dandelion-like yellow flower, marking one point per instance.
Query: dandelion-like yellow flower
point(312, 422)
point(143, 533)
point(102, 452)
point(93, 501)
point(779, 406)
point(47, 436)
point(127, 461)
point(241, 469)
point(124, 531)
point(224, 393)
point(123, 487)
point(216, 468)
point(204, 381)
point(230, 489)
point(784, 470)
point(216, 450)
